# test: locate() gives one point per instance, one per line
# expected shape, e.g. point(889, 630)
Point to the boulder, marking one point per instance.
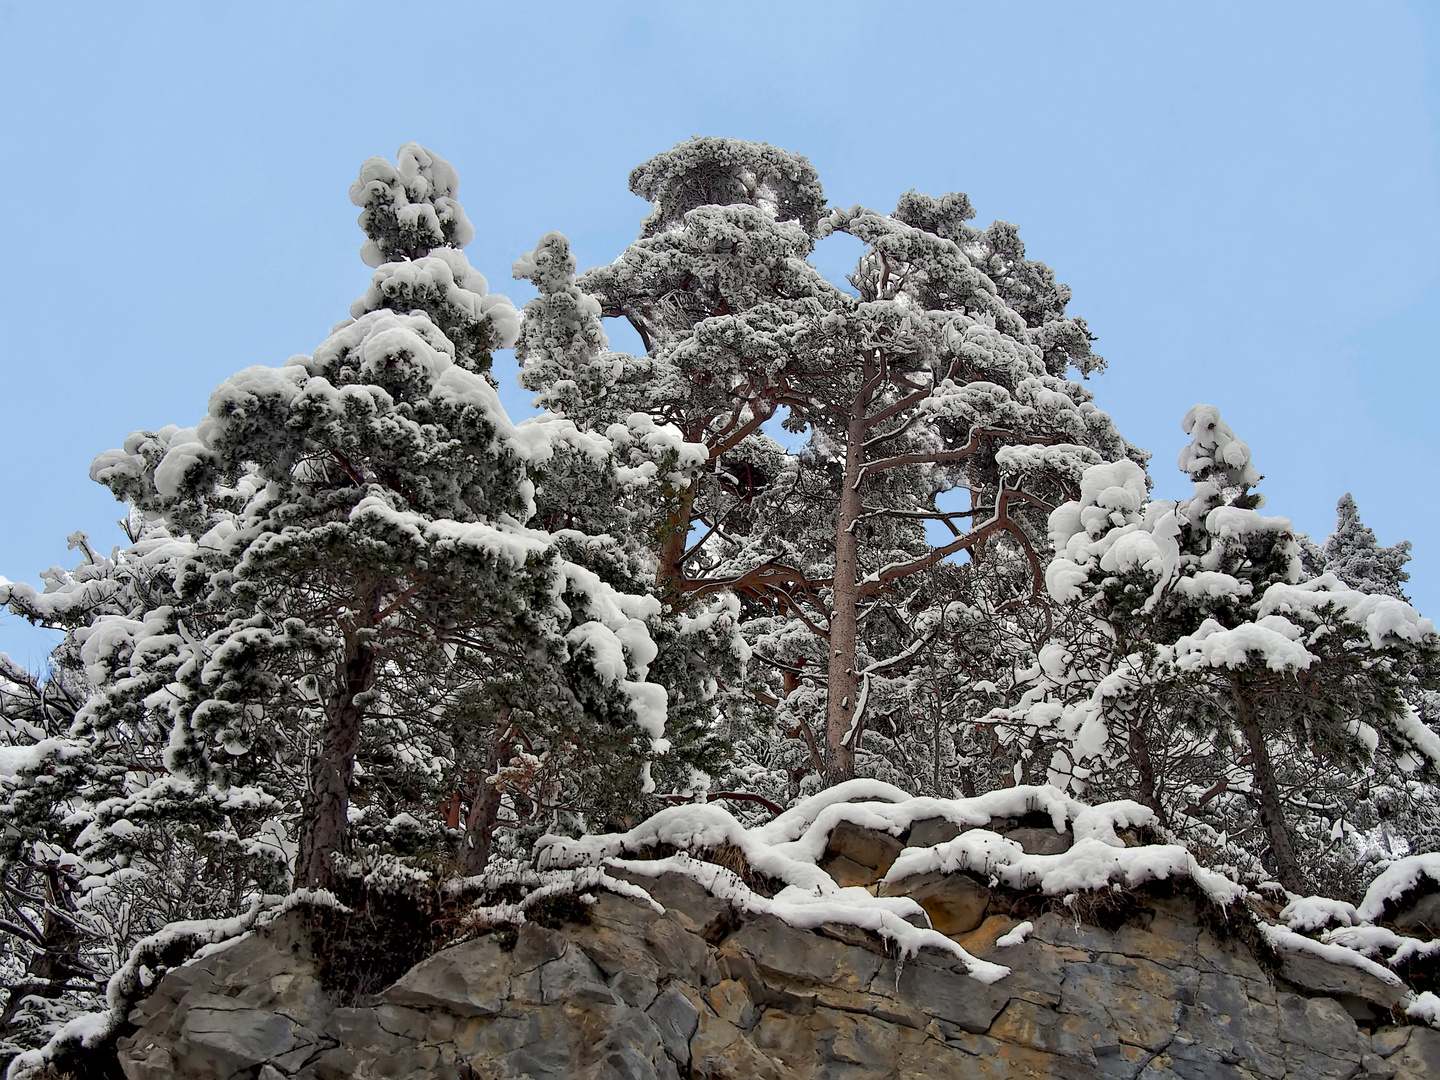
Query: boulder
point(1420, 1056)
point(220, 1037)
point(1363, 994)
point(935, 991)
point(847, 872)
point(955, 903)
point(932, 831)
point(1041, 840)
point(469, 979)
point(676, 1017)
point(575, 978)
point(860, 855)
point(1419, 914)
point(730, 999)
point(803, 956)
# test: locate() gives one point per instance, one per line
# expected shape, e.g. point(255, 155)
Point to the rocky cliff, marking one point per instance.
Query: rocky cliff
point(704, 990)
point(860, 934)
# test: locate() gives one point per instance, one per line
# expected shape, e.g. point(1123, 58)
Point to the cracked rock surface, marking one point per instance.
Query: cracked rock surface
point(702, 991)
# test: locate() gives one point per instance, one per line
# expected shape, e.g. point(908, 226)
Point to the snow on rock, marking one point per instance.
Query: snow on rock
point(1377, 940)
point(1395, 881)
point(1089, 864)
point(1285, 940)
point(807, 909)
point(790, 848)
point(1426, 1007)
point(1016, 936)
point(1317, 912)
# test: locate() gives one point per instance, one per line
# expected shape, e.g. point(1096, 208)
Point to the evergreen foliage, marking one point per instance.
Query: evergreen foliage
point(942, 371)
point(369, 635)
point(1215, 628)
point(1353, 555)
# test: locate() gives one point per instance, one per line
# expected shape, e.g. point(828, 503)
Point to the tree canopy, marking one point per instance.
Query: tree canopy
point(366, 628)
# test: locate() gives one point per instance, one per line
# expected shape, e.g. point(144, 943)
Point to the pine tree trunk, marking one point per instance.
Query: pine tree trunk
point(53, 964)
point(843, 684)
point(1145, 769)
point(936, 789)
point(60, 960)
point(670, 574)
point(326, 826)
point(1272, 812)
point(485, 809)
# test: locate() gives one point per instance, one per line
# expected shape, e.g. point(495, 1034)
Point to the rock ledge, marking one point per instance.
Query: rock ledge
point(703, 991)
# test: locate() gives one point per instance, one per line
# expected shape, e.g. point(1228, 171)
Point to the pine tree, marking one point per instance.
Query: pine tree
point(946, 372)
point(720, 262)
point(369, 591)
point(731, 529)
point(101, 846)
point(1353, 555)
point(1208, 606)
point(46, 960)
point(930, 381)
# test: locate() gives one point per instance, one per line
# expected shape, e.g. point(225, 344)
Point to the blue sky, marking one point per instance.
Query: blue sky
point(1243, 197)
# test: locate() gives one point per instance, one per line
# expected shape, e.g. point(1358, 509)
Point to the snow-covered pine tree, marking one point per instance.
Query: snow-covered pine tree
point(701, 659)
point(372, 605)
point(945, 373)
point(734, 529)
point(720, 264)
point(953, 646)
point(1386, 811)
point(1208, 596)
point(102, 847)
point(1353, 554)
point(47, 960)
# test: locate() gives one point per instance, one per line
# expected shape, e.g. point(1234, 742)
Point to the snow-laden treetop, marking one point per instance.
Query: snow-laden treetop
point(726, 172)
point(1214, 453)
point(409, 208)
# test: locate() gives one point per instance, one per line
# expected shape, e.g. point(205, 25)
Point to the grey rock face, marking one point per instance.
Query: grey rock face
point(932, 831)
point(1420, 913)
point(676, 1017)
point(1366, 996)
point(252, 1005)
point(467, 980)
point(702, 991)
point(1041, 841)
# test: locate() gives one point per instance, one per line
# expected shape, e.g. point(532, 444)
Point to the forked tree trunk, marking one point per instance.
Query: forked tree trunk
point(1272, 811)
point(843, 684)
point(325, 832)
point(485, 808)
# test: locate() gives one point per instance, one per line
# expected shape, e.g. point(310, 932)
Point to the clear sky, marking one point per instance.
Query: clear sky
point(1243, 197)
